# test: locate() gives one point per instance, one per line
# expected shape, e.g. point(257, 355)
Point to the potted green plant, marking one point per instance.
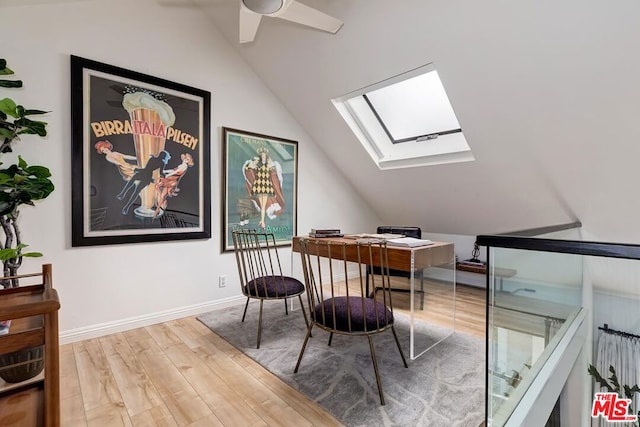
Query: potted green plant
point(20, 184)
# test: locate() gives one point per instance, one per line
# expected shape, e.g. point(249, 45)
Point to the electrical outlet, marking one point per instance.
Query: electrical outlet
point(222, 281)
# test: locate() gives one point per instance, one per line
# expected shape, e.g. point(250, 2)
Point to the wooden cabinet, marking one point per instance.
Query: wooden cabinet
point(33, 310)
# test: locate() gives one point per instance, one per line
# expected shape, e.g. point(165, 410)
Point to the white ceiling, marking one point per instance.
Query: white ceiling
point(547, 94)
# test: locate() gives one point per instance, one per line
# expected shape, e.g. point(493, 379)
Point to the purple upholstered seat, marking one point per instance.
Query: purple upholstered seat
point(359, 318)
point(274, 287)
point(260, 272)
point(352, 313)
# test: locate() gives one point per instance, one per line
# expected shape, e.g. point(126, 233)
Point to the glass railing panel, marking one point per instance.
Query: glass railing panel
point(544, 278)
point(531, 296)
point(572, 272)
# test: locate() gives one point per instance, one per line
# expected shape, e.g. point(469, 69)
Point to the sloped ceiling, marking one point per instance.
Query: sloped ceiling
point(546, 92)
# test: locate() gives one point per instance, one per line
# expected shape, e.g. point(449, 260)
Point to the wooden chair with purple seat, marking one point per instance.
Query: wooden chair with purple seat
point(260, 272)
point(337, 297)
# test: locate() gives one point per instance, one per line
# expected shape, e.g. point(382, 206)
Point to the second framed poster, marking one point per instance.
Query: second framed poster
point(259, 188)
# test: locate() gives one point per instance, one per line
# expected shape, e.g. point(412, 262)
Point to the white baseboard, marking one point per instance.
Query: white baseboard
point(101, 329)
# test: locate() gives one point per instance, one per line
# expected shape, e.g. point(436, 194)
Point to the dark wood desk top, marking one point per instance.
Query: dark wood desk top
point(435, 254)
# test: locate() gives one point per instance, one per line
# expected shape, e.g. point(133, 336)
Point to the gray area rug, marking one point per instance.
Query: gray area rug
point(444, 387)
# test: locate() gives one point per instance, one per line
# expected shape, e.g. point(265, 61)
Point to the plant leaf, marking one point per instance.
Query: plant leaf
point(8, 106)
point(8, 253)
point(32, 254)
point(629, 391)
point(593, 371)
point(4, 70)
point(11, 83)
point(38, 171)
point(6, 208)
point(614, 379)
point(31, 126)
point(11, 253)
point(34, 112)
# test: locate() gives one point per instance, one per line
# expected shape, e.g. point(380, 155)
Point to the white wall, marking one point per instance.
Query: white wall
point(113, 287)
point(463, 244)
point(574, 406)
point(620, 312)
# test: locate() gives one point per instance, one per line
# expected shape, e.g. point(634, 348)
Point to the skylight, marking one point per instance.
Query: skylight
point(406, 121)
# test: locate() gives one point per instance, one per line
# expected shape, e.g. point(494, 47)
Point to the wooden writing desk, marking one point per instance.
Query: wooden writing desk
point(404, 259)
point(400, 258)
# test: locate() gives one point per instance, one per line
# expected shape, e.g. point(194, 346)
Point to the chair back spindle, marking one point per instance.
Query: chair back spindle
point(335, 275)
point(259, 264)
point(260, 271)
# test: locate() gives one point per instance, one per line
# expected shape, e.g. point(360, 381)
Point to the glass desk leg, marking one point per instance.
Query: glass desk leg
point(442, 285)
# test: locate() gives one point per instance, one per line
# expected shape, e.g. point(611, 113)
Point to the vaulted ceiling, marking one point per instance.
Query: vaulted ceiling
point(546, 93)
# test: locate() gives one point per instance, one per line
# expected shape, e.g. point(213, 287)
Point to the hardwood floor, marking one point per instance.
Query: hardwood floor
point(179, 373)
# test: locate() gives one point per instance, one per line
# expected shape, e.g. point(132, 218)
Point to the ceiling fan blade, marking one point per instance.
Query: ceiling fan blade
point(249, 23)
point(305, 15)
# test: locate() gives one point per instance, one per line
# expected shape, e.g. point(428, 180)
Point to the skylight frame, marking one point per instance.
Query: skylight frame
point(446, 147)
point(417, 138)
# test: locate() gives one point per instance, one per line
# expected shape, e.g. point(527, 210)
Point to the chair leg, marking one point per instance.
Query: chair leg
point(399, 348)
point(286, 309)
point(304, 313)
point(375, 368)
point(304, 346)
point(330, 338)
point(260, 323)
point(245, 309)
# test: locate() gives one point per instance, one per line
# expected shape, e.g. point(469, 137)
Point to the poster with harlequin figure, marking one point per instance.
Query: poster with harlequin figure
point(141, 157)
point(259, 188)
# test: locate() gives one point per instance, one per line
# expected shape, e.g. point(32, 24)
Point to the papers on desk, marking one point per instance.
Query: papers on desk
point(381, 236)
point(408, 242)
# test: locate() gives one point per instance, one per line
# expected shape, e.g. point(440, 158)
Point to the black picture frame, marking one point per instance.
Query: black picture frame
point(141, 166)
point(275, 212)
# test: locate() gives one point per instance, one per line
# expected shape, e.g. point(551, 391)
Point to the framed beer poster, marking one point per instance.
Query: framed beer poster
point(140, 157)
point(259, 185)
